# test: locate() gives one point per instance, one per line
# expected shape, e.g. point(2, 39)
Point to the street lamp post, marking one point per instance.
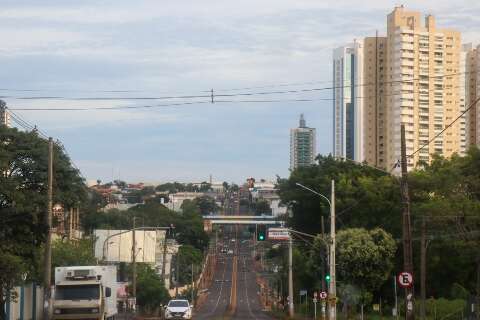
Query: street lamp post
point(333, 286)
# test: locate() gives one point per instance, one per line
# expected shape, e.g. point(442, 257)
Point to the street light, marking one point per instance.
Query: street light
point(332, 285)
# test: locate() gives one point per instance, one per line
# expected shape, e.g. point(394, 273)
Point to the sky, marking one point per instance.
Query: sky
point(90, 54)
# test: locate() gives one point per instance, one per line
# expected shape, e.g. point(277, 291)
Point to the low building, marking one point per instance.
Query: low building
point(176, 199)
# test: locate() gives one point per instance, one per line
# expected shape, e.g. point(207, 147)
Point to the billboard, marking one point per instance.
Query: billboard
point(116, 245)
point(278, 234)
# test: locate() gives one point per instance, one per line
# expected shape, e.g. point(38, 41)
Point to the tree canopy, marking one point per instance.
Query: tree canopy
point(23, 199)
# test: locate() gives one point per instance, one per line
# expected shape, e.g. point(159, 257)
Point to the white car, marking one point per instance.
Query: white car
point(178, 309)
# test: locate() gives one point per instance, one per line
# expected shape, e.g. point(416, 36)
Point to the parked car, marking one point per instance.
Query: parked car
point(178, 309)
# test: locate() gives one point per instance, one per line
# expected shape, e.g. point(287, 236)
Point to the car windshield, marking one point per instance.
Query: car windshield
point(85, 292)
point(178, 303)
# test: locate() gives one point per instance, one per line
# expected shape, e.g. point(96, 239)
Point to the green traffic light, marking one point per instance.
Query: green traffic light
point(261, 237)
point(327, 278)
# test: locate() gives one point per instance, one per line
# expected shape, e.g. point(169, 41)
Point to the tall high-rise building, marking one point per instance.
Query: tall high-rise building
point(423, 87)
point(4, 116)
point(347, 102)
point(472, 92)
point(414, 76)
point(302, 145)
point(374, 100)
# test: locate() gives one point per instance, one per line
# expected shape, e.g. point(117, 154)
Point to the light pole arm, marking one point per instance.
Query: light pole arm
point(315, 192)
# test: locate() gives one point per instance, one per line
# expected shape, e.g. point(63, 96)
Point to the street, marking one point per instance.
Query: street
point(234, 293)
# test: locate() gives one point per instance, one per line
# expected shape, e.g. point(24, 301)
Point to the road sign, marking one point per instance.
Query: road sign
point(315, 294)
point(323, 295)
point(314, 300)
point(303, 292)
point(405, 279)
point(278, 234)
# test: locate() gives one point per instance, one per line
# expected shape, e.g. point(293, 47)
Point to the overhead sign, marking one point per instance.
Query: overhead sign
point(278, 234)
point(323, 295)
point(405, 279)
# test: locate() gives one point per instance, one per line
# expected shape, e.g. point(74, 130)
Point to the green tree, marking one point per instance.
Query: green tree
point(206, 205)
point(73, 253)
point(365, 197)
point(151, 291)
point(188, 256)
point(262, 206)
point(365, 259)
point(23, 189)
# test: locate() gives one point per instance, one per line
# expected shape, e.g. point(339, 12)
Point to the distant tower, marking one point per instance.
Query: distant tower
point(4, 116)
point(302, 145)
point(303, 123)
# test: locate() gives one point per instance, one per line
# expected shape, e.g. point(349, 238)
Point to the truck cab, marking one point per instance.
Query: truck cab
point(84, 293)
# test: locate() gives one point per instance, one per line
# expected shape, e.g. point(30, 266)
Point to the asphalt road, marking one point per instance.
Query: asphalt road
point(246, 300)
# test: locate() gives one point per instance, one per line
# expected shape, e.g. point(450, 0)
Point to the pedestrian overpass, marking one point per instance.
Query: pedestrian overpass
point(210, 220)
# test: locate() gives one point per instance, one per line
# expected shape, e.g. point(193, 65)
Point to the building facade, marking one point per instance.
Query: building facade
point(302, 145)
point(4, 116)
point(347, 101)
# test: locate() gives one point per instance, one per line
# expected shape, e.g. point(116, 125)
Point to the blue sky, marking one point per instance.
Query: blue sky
point(155, 48)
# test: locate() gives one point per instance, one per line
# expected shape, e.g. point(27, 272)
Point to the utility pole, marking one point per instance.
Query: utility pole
point(47, 278)
point(193, 286)
point(406, 228)
point(423, 268)
point(322, 273)
point(333, 285)
point(291, 310)
point(134, 267)
point(164, 257)
point(177, 274)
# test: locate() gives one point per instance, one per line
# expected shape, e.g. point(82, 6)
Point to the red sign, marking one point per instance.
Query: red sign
point(323, 295)
point(405, 279)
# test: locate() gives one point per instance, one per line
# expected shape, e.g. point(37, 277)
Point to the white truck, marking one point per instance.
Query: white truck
point(87, 292)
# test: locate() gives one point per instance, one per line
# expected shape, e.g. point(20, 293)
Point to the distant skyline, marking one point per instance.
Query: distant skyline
point(162, 48)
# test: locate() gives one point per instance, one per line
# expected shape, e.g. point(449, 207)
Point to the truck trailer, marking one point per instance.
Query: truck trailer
point(86, 292)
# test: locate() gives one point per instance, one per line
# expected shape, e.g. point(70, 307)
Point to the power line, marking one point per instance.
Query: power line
point(29, 127)
point(446, 127)
point(197, 102)
point(171, 97)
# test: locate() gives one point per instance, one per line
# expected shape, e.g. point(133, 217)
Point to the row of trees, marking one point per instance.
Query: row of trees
point(445, 193)
point(23, 209)
point(23, 203)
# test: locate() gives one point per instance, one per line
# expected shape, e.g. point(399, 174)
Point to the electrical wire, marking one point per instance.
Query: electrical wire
point(29, 127)
point(446, 127)
point(241, 94)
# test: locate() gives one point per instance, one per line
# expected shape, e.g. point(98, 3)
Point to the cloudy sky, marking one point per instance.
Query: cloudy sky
point(91, 54)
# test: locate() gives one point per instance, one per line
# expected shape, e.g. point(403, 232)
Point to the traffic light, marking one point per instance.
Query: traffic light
point(327, 278)
point(261, 233)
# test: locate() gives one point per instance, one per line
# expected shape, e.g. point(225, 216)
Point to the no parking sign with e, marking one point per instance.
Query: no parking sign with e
point(405, 279)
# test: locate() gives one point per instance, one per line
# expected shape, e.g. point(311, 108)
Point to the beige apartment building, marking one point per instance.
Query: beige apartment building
point(422, 92)
point(374, 100)
point(416, 76)
point(472, 92)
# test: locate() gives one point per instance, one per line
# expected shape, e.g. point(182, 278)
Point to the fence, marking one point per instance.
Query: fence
point(28, 305)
